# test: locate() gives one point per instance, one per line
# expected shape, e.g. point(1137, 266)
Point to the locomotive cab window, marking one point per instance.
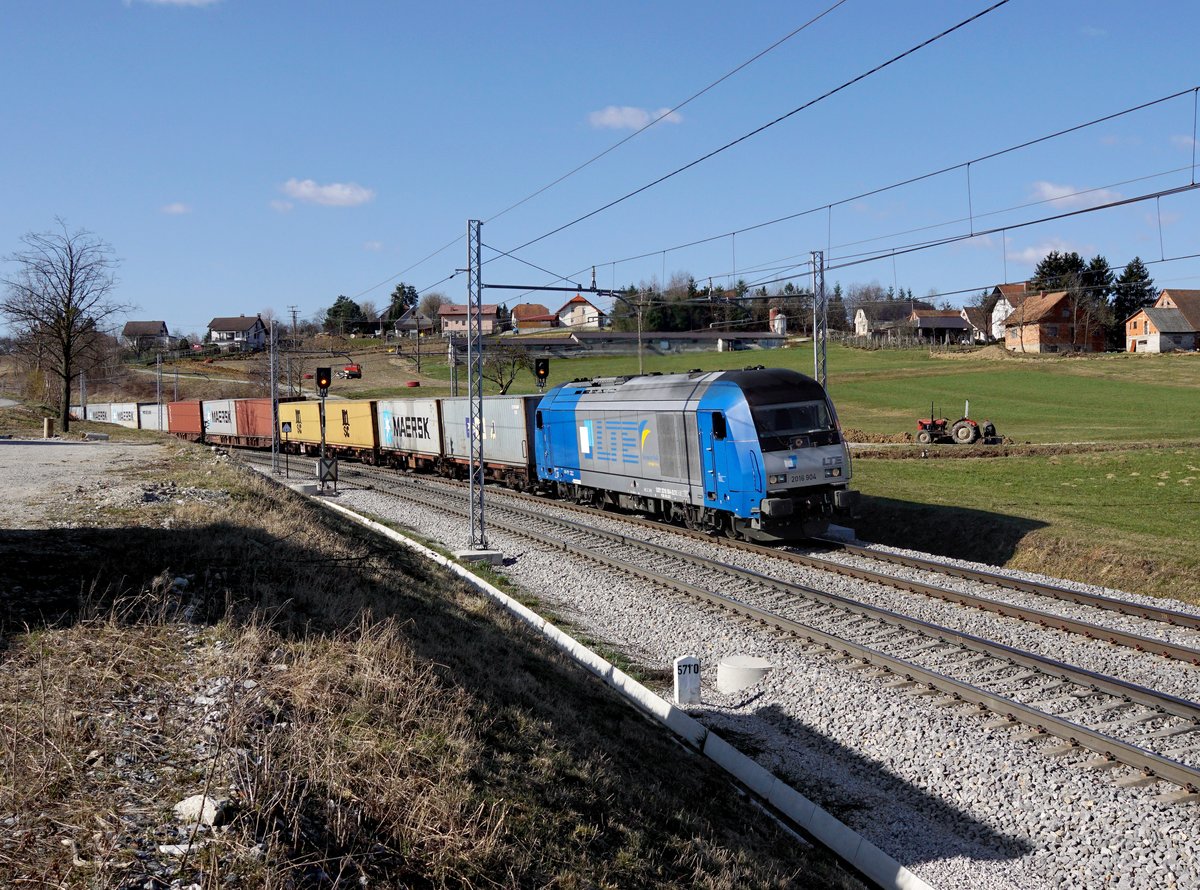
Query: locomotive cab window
point(795, 425)
point(538, 419)
point(718, 425)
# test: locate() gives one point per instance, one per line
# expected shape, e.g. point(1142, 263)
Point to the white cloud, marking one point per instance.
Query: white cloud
point(1185, 142)
point(1092, 31)
point(335, 194)
point(282, 206)
point(177, 208)
point(625, 117)
point(1069, 197)
point(373, 246)
point(1034, 254)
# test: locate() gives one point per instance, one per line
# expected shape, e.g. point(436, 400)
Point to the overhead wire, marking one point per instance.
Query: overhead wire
point(618, 144)
point(832, 92)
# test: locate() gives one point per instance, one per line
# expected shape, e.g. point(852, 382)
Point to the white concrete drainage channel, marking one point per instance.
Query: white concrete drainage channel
point(737, 672)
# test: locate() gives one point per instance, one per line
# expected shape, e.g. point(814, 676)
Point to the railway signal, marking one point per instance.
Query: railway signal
point(324, 377)
point(541, 371)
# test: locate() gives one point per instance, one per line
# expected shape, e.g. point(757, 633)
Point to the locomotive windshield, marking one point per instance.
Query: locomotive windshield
point(796, 425)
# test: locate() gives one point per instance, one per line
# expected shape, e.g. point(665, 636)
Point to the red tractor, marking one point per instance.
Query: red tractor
point(963, 431)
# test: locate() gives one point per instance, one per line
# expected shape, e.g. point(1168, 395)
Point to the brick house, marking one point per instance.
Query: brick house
point(1049, 323)
point(532, 317)
point(453, 318)
point(1172, 323)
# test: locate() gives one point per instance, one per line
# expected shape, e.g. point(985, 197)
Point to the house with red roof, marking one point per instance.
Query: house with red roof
point(453, 318)
point(1052, 322)
point(1171, 324)
point(532, 317)
point(579, 314)
point(1007, 298)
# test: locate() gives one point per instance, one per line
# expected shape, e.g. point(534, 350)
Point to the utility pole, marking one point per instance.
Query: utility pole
point(83, 393)
point(820, 317)
point(158, 386)
point(274, 406)
point(475, 381)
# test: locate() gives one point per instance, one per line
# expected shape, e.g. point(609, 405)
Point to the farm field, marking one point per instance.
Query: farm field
point(1126, 519)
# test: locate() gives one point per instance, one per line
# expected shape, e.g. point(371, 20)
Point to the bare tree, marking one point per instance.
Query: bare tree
point(59, 298)
point(431, 303)
point(503, 361)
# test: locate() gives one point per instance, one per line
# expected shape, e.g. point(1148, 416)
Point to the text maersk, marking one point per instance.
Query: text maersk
point(411, 427)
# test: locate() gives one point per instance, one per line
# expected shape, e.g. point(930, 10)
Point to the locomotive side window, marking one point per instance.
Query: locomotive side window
point(718, 420)
point(538, 420)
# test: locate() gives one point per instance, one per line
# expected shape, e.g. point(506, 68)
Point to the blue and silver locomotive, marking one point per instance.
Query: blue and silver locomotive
point(756, 453)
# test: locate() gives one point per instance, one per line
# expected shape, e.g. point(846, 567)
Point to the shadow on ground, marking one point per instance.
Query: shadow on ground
point(551, 738)
point(943, 529)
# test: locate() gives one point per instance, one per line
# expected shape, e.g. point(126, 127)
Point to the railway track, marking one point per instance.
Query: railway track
point(1148, 734)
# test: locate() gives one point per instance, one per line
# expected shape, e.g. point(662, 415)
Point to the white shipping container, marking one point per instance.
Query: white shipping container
point(124, 414)
point(409, 425)
point(507, 429)
point(152, 416)
point(220, 417)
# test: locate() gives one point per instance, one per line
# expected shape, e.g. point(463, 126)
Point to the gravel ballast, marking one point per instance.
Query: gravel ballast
point(961, 805)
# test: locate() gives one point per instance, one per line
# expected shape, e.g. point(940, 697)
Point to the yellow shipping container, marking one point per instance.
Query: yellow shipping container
point(348, 424)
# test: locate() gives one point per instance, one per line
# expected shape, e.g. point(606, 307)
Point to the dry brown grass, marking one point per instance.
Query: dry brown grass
point(366, 715)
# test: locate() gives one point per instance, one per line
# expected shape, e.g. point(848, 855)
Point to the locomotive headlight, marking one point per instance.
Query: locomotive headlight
point(777, 480)
point(833, 472)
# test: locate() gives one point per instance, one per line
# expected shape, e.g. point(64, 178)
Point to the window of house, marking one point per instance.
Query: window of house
point(1066, 313)
point(1052, 348)
point(1051, 330)
point(1145, 327)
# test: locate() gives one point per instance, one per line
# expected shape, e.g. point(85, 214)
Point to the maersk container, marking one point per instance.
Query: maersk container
point(152, 416)
point(410, 426)
point(183, 420)
point(506, 430)
point(100, 412)
point(220, 419)
point(124, 414)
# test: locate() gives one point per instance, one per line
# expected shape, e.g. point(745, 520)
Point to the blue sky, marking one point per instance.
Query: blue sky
point(246, 155)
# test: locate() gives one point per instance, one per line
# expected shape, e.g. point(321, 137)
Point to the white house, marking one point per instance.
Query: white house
point(580, 315)
point(1009, 298)
point(453, 317)
point(245, 333)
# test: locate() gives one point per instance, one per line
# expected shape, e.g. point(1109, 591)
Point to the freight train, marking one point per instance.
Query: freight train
point(755, 454)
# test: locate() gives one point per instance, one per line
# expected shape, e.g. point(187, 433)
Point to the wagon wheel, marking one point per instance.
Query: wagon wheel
point(964, 433)
point(925, 437)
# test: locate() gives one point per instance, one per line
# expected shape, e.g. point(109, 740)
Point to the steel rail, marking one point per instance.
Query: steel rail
point(1107, 747)
point(1053, 591)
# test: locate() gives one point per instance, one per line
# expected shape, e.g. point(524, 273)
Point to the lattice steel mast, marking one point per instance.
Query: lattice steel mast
point(475, 381)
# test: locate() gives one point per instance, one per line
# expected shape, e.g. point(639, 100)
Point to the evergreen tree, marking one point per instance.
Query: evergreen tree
point(342, 311)
point(1055, 271)
point(1132, 290)
point(403, 298)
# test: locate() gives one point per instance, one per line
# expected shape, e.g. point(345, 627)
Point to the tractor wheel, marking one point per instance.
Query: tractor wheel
point(965, 433)
point(925, 437)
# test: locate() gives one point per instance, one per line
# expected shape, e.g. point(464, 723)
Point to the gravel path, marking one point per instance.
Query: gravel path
point(962, 805)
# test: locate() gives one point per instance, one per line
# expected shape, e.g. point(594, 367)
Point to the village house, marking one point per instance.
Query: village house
point(1049, 323)
point(145, 335)
point(579, 314)
point(1008, 297)
point(532, 317)
point(881, 320)
point(453, 318)
point(938, 325)
point(413, 324)
point(979, 327)
point(244, 333)
point(1171, 324)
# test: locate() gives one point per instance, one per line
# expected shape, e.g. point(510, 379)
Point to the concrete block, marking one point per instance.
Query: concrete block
point(491, 557)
